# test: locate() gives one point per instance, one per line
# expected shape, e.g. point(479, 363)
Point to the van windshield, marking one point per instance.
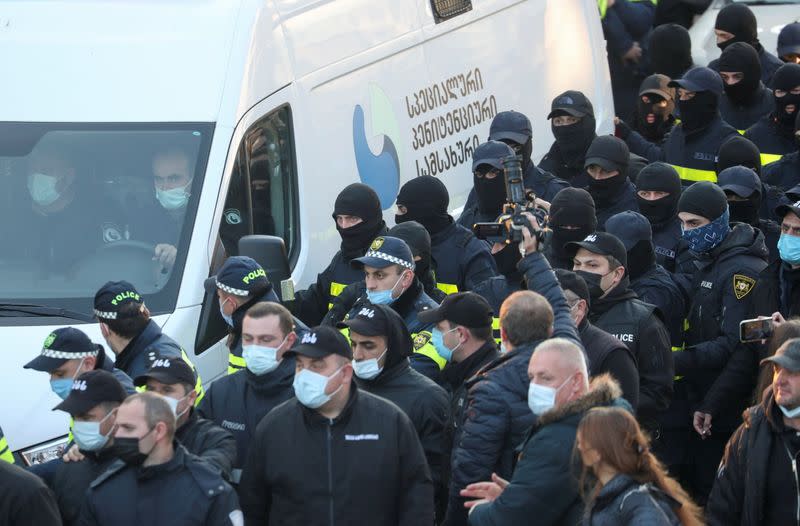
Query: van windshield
point(82, 204)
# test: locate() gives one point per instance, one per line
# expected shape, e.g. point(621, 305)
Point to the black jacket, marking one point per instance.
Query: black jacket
point(623, 501)
point(364, 467)
point(184, 490)
point(209, 441)
point(606, 354)
point(639, 325)
point(666, 238)
point(769, 64)
point(789, 290)
point(784, 173)
point(72, 479)
point(239, 401)
point(462, 260)
point(773, 141)
point(570, 170)
point(742, 117)
point(497, 414)
point(624, 201)
point(24, 499)
point(657, 287)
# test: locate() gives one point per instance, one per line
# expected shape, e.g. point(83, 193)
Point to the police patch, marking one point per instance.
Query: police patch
point(49, 341)
point(421, 339)
point(377, 244)
point(232, 216)
point(111, 233)
point(742, 285)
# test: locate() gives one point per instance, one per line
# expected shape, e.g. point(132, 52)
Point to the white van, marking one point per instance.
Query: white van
point(270, 108)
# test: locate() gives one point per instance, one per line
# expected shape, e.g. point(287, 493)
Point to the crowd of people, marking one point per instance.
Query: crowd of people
point(589, 370)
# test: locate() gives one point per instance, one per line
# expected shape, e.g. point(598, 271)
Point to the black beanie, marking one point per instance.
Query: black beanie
point(574, 283)
point(738, 151)
point(426, 200)
point(738, 20)
point(573, 207)
point(659, 177)
point(358, 200)
point(704, 199)
point(670, 50)
point(415, 236)
point(786, 77)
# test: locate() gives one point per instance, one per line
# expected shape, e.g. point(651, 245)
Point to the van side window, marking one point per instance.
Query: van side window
point(445, 9)
point(262, 195)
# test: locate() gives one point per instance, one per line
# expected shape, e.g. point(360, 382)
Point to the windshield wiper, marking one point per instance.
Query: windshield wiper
point(30, 309)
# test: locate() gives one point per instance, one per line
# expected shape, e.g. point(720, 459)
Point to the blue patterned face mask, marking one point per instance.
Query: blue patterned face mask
point(705, 238)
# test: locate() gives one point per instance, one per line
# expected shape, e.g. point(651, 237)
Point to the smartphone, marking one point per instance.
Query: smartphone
point(755, 330)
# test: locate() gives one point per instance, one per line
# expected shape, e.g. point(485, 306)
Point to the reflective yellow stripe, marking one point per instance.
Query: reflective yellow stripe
point(235, 363)
point(741, 132)
point(496, 330)
point(602, 6)
point(5, 451)
point(767, 158)
point(694, 175)
point(198, 386)
point(430, 351)
point(336, 289)
point(447, 288)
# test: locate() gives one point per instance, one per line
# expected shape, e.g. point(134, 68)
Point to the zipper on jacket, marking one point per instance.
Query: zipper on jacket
point(330, 472)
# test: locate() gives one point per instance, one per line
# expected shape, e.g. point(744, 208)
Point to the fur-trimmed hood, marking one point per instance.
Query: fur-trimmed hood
point(603, 391)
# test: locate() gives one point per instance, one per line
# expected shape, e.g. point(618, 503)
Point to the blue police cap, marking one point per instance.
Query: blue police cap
point(630, 228)
point(240, 276)
point(491, 153)
point(61, 345)
point(385, 251)
point(511, 125)
point(740, 180)
point(789, 39)
point(700, 79)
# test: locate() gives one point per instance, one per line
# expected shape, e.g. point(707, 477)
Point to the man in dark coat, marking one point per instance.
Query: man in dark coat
point(26, 500)
point(773, 134)
point(573, 124)
point(784, 172)
point(607, 163)
point(746, 99)
point(658, 188)
point(489, 183)
point(789, 248)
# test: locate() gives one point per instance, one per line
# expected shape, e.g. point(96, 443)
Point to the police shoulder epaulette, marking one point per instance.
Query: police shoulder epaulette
point(207, 478)
point(116, 467)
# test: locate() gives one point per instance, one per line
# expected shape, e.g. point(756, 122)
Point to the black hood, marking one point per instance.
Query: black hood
point(742, 240)
point(670, 50)
point(398, 339)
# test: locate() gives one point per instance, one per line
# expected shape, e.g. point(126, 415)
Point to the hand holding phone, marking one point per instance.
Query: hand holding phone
point(755, 330)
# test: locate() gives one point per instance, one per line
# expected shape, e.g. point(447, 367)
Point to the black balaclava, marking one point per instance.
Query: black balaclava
point(659, 177)
point(525, 152)
point(746, 211)
point(419, 241)
point(698, 112)
point(670, 50)
point(575, 139)
point(738, 151)
point(786, 78)
point(361, 201)
point(652, 121)
point(614, 154)
point(490, 193)
point(571, 207)
point(741, 56)
point(426, 200)
point(641, 258)
point(738, 20)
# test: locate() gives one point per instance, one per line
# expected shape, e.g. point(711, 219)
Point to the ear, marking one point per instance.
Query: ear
point(192, 397)
point(90, 362)
point(160, 431)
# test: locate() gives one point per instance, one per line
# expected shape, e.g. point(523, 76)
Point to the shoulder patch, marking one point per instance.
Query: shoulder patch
point(421, 339)
point(742, 285)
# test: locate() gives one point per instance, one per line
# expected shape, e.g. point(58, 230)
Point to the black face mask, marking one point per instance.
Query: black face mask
point(743, 58)
point(491, 193)
point(787, 119)
point(127, 450)
point(357, 238)
point(593, 282)
point(699, 111)
point(641, 259)
point(507, 259)
point(659, 210)
point(744, 211)
point(573, 140)
point(604, 191)
point(562, 236)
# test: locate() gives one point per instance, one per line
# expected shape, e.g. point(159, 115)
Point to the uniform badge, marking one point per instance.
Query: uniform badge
point(742, 285)
point(377, 244)
point(421, 340)
point(232, 216)
point(111, 233)
point(49, 341)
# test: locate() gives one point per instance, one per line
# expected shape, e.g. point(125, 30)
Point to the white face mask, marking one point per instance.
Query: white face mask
point(42, 188)
point(173, 404)
point(790, 413)
point(309, 388)
point(261, 360)
point(174, 198)
point(87, 434)
point(368, 369)
point(542, 398)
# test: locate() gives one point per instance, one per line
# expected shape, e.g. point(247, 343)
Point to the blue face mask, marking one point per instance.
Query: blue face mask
point(705, 238)
point(173, 198)
point(227, 317)
point(789, 248)
point(42, 188)
point(62, 386)
point(383, 297)
point(437, 340)
point(87, 434)
point(261, 360)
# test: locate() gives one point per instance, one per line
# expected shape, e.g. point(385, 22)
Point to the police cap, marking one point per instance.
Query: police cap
point(109, 300)
point(240, 276)
point(61, 345)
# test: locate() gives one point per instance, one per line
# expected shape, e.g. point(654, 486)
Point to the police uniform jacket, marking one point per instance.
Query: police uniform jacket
point(72, 479)
point(784, 173)
point(728, 288)
point(639, 325)
point(666, 237)
point(606, 354)
point(570, 170)
point(208, 441)
point(239, 401)
point(771, 139)
point(789, 283)
point(184, 490)
point(742, 117)
point(625, 200)
point(365, 466)
point(657, 287)
point(107, 365)
point(462, 260)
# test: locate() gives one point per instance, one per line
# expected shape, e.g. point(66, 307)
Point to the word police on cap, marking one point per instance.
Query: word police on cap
point(259, 273)
point(369, 313)
point(309, 337)
point(125, 296)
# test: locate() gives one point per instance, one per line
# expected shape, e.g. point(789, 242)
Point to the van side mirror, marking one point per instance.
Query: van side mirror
point(270, 253)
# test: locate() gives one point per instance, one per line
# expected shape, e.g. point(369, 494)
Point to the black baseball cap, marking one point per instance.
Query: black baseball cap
point(511, 125)
point(168, 371)
point(787, 356)
point(463, 308)
point(61, 345)
point(385, 251)
point(700, 78)
point(240, 276)
point(90, 389)
point(572, 282)
point(783, 209)
point(109, 300)
point(630, 228)
point(740, 180)
point(368, 321)
point(491, 153)
point(320, 342)
point(572, 102)
point(601, 243)
point(608, 152)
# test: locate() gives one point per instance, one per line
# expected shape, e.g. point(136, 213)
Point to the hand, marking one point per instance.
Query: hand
point(541, 203)
point(484, 491)
point(73, 454)
point(165, 255)
point(529, 242)
point(702, 424)
point(633, 54)
point(616, 121)
point(777, 319)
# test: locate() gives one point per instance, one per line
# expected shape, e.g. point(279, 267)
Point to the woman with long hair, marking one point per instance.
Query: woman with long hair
point(626, 484)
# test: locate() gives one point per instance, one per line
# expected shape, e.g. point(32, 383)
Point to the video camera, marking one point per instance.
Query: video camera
point(508, 227)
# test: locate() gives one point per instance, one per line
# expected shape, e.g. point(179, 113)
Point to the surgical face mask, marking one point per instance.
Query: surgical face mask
point(87, 434)
point(227, 317)
point(789, 249)
point(174, 198)
point(42, 188)
point(383, 297)
point(704, 239)
point(62, 386)
point(127, 450)
point(309, 388)
point(790, 413)
point(542, 398)
point(261, 360)
point(369, 369)
point(173, 404)
point(437, 340)
point(593, 281)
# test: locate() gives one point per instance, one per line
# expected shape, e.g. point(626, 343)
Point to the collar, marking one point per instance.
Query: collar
point(314, 418)
point(405, 303)
point(456, 373)
point(138, 344)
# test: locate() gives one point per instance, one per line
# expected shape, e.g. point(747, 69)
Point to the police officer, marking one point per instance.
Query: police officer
point(239, 401)
point(572, 217)
point(784, 172)
point(462, 260)
point(132, 335)
point(239, 284)
point(600, 259)
point(788, 273)
point(774, 132)
point(335, 454)
point(159, 482)
point(381, 347)
point(727, 288)
point(655, 108)
point(745, 100)
point(92, 403)
point(573, 124)
point(692, 145)
point(658, 188)
point(607, 163)
point(737, 23)
point(359, 220)
point(489, 183)
point(649, 280)
point(789, 43)
point(419, 241)
point(604, 352)
point(743, 189)
point(670, 49)
point(175, 380)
